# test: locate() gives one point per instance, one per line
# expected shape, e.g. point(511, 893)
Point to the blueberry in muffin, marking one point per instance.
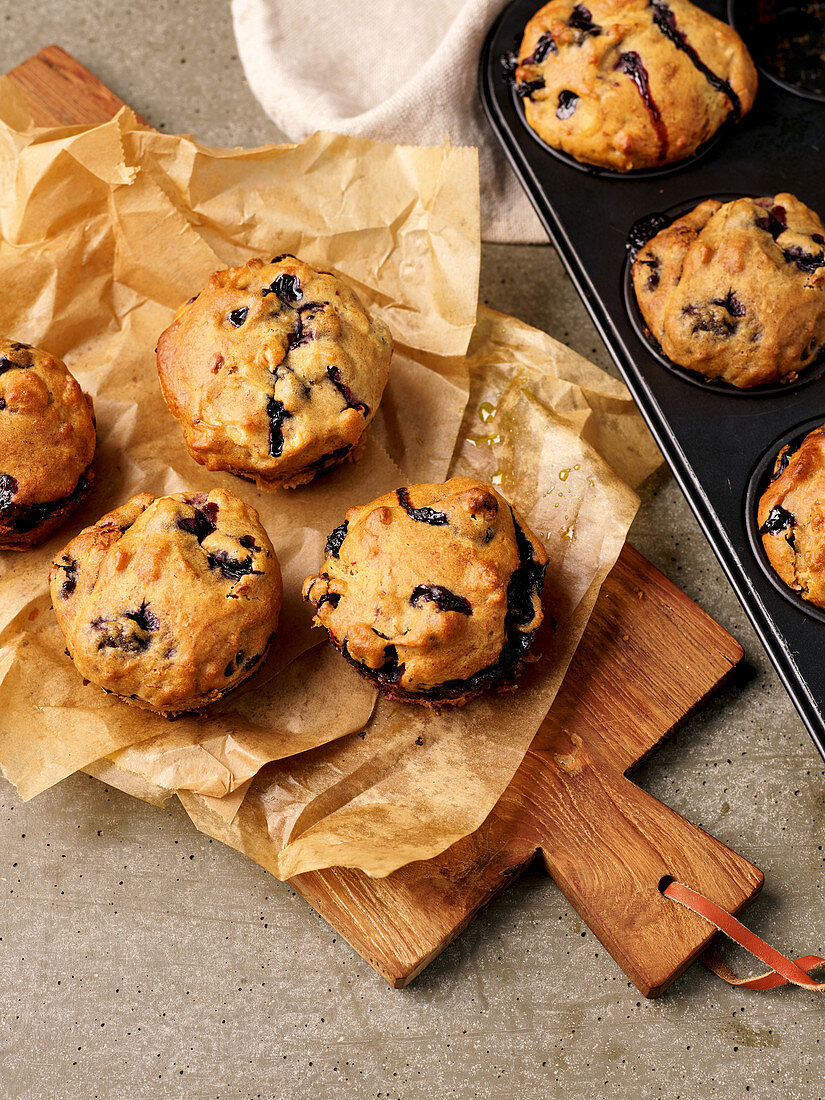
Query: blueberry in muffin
point(791, 517)
point(736, 290)
point(169, 602)
point(433, 592)
point(275, 371)
point(47, 444)
point(628, 84)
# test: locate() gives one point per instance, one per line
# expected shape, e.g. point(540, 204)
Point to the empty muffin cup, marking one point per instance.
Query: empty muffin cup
point(786, 40)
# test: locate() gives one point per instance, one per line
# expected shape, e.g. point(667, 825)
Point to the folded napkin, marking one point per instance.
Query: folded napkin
point(392, 70)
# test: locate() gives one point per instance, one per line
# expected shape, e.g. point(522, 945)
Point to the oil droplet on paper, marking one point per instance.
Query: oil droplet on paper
point(486, 411)
point(564, 474)
point(498, 478)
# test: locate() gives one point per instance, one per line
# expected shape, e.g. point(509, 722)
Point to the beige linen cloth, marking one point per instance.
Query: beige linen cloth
point(391, 70)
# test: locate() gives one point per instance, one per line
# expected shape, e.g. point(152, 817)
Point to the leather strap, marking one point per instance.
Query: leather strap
point(782, 970)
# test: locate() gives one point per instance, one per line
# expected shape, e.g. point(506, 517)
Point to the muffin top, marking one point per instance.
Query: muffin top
point(169, 601)
point(629, 84)
point(791, 517)
point(432, 590)
point(47, 428)
point(274, 371)
point(736, 290)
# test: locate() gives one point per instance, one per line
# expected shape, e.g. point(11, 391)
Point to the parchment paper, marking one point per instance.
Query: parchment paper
point(104, 231)
point(411, 784)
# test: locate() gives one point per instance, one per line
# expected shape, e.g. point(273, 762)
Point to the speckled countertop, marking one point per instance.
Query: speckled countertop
point(118, 982)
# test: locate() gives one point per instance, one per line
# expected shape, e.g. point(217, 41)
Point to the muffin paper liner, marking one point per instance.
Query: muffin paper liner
point(104, 231)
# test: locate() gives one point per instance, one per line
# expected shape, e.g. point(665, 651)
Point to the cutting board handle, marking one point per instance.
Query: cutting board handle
point(611, 847)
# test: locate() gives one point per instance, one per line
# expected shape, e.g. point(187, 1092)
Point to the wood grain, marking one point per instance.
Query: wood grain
point(648, 659)
point(60, 92)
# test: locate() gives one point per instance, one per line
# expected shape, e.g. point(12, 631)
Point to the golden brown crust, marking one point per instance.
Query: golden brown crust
point(274, 371)
point(47, 444)
point(432, 591)
point(791, 517)
point(169, 602)
point(736, 291)
point(628, 84)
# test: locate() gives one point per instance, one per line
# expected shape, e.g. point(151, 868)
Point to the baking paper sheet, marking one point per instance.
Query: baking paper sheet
point(411, 784)
point(105, 230)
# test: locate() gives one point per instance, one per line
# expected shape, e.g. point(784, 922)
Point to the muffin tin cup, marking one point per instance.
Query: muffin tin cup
point(757, 484)
point(741, 15)
point(715, 437)
point(713, 385)
point(602, 172)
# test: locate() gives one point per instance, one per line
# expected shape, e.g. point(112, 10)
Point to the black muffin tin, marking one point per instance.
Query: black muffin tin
point(719, 441)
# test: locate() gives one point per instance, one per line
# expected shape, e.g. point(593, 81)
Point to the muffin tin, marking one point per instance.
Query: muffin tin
point(718, 441)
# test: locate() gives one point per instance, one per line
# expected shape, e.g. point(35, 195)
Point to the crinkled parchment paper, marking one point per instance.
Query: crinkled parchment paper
point(410, 784)
point(104, 232)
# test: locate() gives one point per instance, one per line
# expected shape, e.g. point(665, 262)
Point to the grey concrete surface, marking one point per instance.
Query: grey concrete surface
point(118, 978)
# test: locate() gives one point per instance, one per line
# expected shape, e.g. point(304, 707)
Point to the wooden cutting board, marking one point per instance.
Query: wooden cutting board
point(648, 659)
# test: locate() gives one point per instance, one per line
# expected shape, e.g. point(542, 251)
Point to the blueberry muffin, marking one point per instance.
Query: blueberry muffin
point(275, 371)
point(791, 517)
point(47, 445)
point(628, 84)
point(736, 290)
point(433, 592)
point(169, 602)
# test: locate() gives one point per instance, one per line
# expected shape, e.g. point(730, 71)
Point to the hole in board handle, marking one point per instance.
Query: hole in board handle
point(664, 882)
